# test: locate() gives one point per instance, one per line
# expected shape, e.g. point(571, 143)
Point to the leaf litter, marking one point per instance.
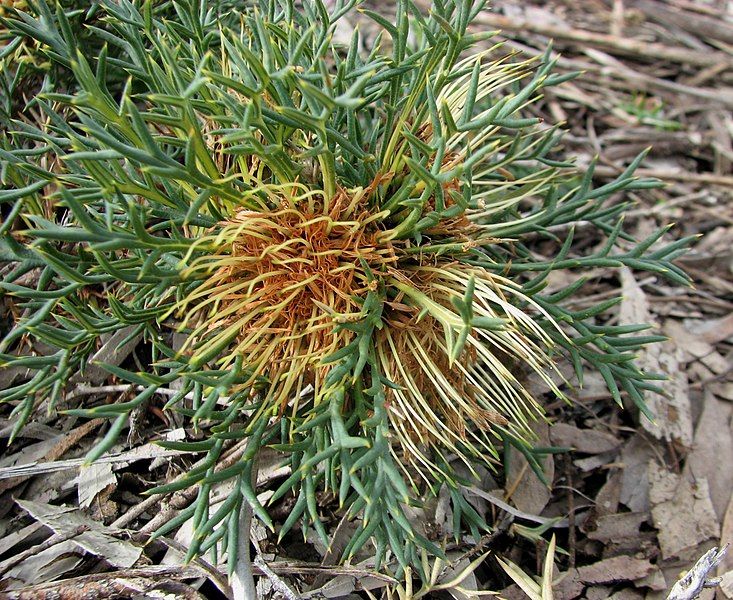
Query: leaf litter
point(634, 503)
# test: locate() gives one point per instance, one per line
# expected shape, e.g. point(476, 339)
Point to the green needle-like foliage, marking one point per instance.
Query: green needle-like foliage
point(340, 236)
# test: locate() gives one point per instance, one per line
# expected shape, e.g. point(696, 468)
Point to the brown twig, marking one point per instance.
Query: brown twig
point(572, 541)
point(218, 578)
point(620, 75)
point(278, 584)
point(683, 176)
point(622, 46)
point(700, 25)
point(119, 584)
point(135, 511)
point(296, 568)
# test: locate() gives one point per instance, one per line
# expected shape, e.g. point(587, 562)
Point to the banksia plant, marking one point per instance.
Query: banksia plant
point(339, 236)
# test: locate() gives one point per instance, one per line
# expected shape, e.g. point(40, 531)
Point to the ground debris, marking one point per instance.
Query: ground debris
point(633, 502)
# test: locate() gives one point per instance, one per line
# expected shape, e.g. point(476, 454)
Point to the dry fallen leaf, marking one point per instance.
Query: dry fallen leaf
point(608, 497)
point(618, 568)
point(568, 586)
point(22, 537)
point(726, 585)
point(672, 414)
point(634, 306)
point(113, 351)
point(626, 595)
point(523, 486)
point(714, 330)
point(96, 539)
point(726, 536)
point(723, 389)
point(587, 441)
point(46, 565)
point(672, 417)
point(635, 458)
point(713, 442)
point(93, 479)
point(682, 512)
point(617, 527)
point(655, 581)
point(692, 346)
point(45, 451)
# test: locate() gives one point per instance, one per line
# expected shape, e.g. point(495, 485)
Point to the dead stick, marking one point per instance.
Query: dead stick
point(620, 76)
point(102, 585)
point(242, 578)
point(623, 46)
point(692, 584)
point(701, 25)
point(683, 176)
point(278, 584)
point(571, 515)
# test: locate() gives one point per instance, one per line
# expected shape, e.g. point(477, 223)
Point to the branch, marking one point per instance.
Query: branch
point(690, 586)
point(622, 46)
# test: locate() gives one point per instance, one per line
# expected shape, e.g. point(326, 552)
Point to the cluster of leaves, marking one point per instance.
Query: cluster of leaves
point(155, 131)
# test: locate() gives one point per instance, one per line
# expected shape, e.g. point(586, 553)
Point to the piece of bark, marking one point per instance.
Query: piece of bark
point(121, 584)
point(726, 585)
point(726, 534)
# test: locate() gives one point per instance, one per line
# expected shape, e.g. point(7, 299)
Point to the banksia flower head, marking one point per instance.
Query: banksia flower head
point(340, 237)
point(285, 288)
